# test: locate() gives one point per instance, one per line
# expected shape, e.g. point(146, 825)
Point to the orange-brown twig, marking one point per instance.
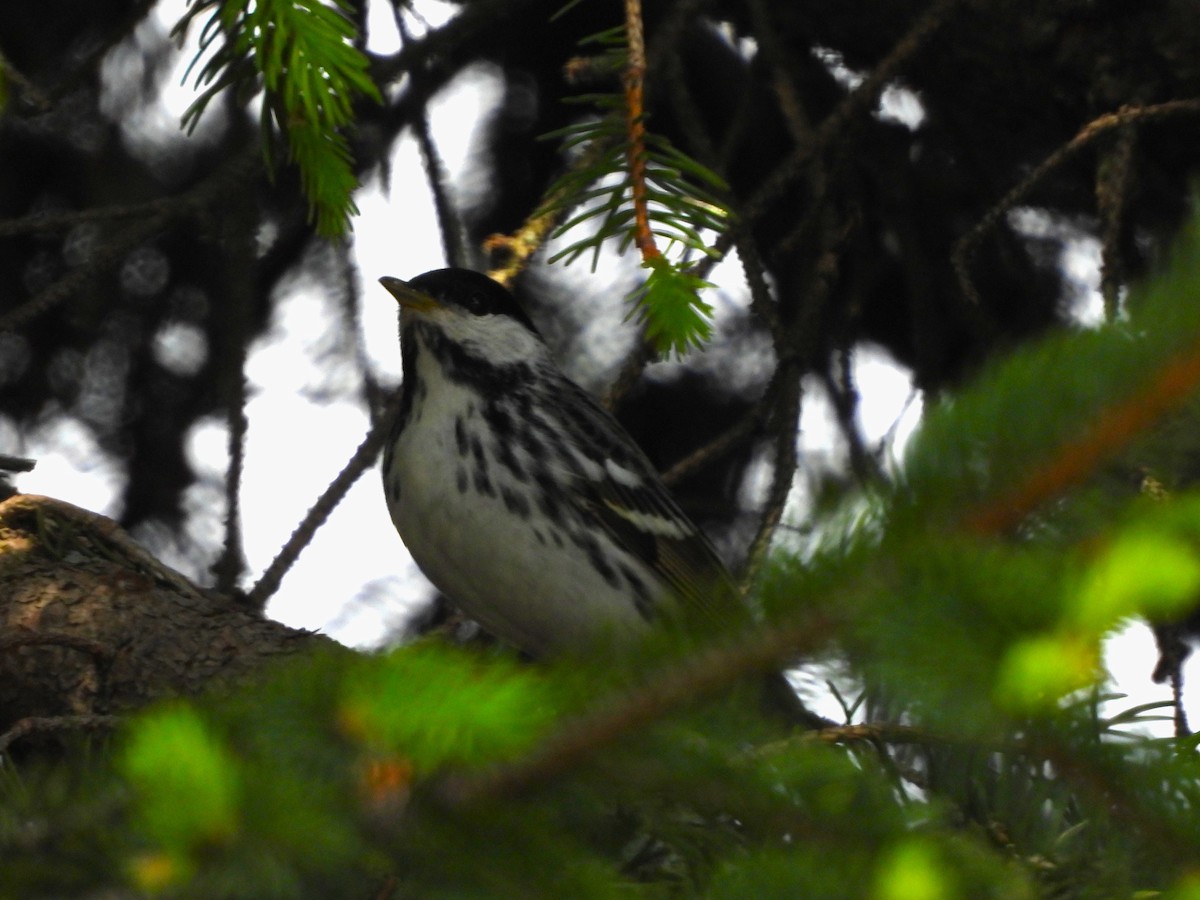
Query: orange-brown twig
point(1116, 427)
point(616, 717)
point(635, 113)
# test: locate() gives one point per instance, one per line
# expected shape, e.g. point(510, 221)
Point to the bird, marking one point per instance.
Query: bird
point(522, 499)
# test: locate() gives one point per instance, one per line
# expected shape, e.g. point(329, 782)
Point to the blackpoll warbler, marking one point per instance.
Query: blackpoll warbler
point(520, 497)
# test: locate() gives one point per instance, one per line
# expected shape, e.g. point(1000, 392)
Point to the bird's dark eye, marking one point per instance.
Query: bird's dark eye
point(472, 292)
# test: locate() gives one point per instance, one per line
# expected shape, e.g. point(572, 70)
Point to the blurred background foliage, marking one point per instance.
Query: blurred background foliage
point(961, 599)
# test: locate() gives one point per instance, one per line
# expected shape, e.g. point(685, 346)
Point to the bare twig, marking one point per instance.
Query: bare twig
point(692, 123)
point(101, 655)
point(372, 393)
point(38, 101)
point(786, 424)
point(762, 303)
point(435, 172)
point(233, 561)
point(1127, 115)
point(513, 251)
point(778, 56)
point(26, 637)
point(723, 443)
point(119, 31)
point(50, 724)
point(876, 732)
point(26, 89)
point(362, 460)
point(783, 398)
point(844, 395)
point(157, 216)
point(16, 464)
point(1178, 711)
point(240, 234)
point(642, 354)
point(81, 277)
point(857, 103)
point(793, 350)
point(477, 18)
point(1114, 178)
point(40, 223)
point(667, 66)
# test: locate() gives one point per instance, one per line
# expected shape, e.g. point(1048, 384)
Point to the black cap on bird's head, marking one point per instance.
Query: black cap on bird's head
point(463, 289)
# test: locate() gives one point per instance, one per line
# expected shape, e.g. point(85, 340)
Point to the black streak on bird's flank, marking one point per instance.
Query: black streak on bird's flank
point(515, 503)
point(483, 484)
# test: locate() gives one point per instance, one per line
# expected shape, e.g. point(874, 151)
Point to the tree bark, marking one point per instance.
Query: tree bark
point(92, 624)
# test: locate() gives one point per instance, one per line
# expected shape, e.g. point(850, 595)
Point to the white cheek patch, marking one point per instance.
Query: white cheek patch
point(496, 339)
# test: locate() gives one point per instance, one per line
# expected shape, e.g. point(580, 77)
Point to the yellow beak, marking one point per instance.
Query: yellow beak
point(408, 297)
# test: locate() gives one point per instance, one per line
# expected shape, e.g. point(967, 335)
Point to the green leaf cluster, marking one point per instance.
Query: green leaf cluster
point(301, 55)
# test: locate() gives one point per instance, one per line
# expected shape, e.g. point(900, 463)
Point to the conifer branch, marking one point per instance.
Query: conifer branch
point(657, 192)
point(1117, 426)
point(1126, 116)
point(513, 251)
point(635, 149)
point(587, 736)
point(300, 54)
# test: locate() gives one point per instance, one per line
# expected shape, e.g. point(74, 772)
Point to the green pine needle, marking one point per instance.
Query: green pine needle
point(683, 204)
point(301, 54)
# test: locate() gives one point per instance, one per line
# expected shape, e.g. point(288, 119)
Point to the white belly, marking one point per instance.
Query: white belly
point(476, 530)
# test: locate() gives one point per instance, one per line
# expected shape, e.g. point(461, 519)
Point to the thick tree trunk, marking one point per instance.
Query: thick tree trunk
point(92, 624)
